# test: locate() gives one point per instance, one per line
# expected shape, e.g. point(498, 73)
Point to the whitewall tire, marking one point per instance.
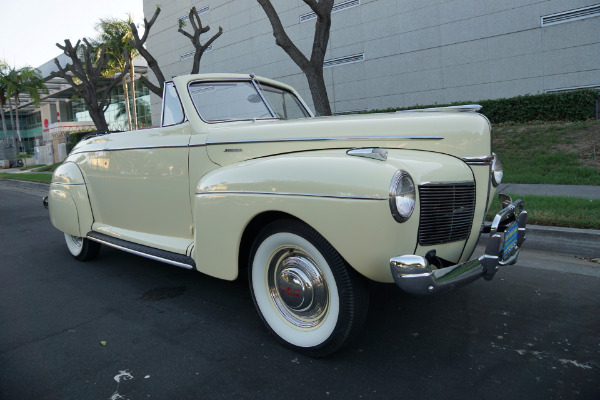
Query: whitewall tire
point(306, 294)
point(82, 249)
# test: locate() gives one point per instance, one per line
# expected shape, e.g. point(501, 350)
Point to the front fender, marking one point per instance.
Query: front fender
point(345, 198)
point(68, 201)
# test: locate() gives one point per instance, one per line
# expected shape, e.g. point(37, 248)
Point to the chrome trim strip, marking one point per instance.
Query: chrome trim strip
point(303, 139)
point(139, 253)
point(478, 160)
point(328, 196)
point(174, 146)
point(67, 184)
point(446, 183)
point(464, 108)
point(322, 139)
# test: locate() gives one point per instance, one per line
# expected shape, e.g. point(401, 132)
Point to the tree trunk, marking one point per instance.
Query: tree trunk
point(313, 68)
point(4, 123)
point(126, 92)
point(98, 120)
point(132, 82)
point(318, 90)
point(12, 121)
point(17, 117)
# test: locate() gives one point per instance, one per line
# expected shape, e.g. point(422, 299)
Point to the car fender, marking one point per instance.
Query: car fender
point(68, 201)
point(337, 194)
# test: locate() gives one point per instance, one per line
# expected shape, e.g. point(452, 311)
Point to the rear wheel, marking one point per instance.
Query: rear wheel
point(304, 291)
point(81, 248)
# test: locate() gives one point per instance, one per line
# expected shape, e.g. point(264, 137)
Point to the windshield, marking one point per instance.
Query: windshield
point(240, 100)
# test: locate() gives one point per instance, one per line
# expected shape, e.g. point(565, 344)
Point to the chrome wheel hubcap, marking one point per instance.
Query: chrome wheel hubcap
point(76, 240)
point(297, 287)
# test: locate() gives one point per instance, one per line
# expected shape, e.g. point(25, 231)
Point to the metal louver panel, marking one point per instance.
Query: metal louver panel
point(191, 53)
point(446, 212)
point(344, 60)
point(336, 8)
point(198, 10)
point(571, 15)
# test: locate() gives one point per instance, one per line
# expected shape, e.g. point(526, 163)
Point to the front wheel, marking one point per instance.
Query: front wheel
point(304, 291)
point(81, 248)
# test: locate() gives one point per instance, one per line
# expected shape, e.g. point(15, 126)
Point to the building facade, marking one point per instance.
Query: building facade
point(397, 53)
point(43, 128)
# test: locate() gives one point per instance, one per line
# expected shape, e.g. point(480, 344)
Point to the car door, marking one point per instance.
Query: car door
point(146, 195)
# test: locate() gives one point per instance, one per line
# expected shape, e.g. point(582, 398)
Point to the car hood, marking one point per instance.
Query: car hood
point(456, 134)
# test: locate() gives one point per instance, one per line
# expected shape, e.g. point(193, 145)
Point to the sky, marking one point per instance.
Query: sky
point(30, 29)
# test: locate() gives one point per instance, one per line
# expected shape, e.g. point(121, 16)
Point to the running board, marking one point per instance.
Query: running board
point(168, 257)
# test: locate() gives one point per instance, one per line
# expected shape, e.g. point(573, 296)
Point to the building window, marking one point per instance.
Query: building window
point(571, 15)
point(338, 7)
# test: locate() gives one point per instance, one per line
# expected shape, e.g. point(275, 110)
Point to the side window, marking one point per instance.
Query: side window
point(172, 109)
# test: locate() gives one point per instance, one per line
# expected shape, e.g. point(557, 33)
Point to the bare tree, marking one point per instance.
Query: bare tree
point(195, 37)
point(84, 76)
point(313, 68)
point(138, 43)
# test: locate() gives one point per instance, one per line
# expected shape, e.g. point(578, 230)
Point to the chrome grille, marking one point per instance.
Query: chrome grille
point(446, 212)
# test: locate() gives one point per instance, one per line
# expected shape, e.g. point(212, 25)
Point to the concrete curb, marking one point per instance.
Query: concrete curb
point(570, 241)
point(578, 242)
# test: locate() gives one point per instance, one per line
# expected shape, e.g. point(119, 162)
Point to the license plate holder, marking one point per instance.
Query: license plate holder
point(510, 239)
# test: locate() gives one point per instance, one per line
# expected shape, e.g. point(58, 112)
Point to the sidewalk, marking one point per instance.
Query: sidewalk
point(586, 192)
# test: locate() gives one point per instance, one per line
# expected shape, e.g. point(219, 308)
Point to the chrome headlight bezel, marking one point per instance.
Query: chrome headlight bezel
point(497, 172)
point(402, 196)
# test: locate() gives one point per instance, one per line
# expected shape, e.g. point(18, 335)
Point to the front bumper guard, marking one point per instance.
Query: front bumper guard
point(414, 275)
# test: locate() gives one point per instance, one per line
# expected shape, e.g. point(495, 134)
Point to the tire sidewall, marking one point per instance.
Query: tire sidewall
point(75, 250)
point(329, 335)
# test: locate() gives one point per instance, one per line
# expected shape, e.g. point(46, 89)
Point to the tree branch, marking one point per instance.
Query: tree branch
point(152, 63)
point(194, 37)
point(281, 38)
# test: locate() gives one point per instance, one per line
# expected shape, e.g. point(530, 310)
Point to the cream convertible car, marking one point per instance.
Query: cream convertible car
point(242, 175)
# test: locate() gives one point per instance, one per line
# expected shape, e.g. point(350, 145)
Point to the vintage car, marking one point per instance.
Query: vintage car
point(241, 177)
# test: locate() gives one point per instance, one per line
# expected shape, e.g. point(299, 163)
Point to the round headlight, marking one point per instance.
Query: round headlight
point(402, 196)
point(497, 172)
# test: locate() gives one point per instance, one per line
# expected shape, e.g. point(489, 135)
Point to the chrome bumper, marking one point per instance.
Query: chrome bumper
point(414, 275)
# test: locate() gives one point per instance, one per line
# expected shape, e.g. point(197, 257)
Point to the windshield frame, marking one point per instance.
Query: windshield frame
point(256, 84)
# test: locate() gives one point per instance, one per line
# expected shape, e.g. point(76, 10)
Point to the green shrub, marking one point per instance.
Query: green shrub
point(75, 137)
point(578, 105)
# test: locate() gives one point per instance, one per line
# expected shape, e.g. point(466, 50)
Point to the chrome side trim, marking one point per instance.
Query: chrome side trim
point(67, 184)
point(322, 139)
point(174, 146)
point(479, 160)
point(142, 254)
point(327, 196)
point(374, 153)
point(464, 108)
point(259, 141)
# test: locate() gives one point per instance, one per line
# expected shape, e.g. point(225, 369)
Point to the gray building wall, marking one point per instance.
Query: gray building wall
point(415, 51)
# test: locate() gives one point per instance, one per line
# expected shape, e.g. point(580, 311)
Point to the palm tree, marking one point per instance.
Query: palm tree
point(129, 40)
point(28, 81)
point(115, 34)
point(3, 94)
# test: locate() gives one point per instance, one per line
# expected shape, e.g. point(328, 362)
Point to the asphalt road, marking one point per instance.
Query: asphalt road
point(126, 326)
